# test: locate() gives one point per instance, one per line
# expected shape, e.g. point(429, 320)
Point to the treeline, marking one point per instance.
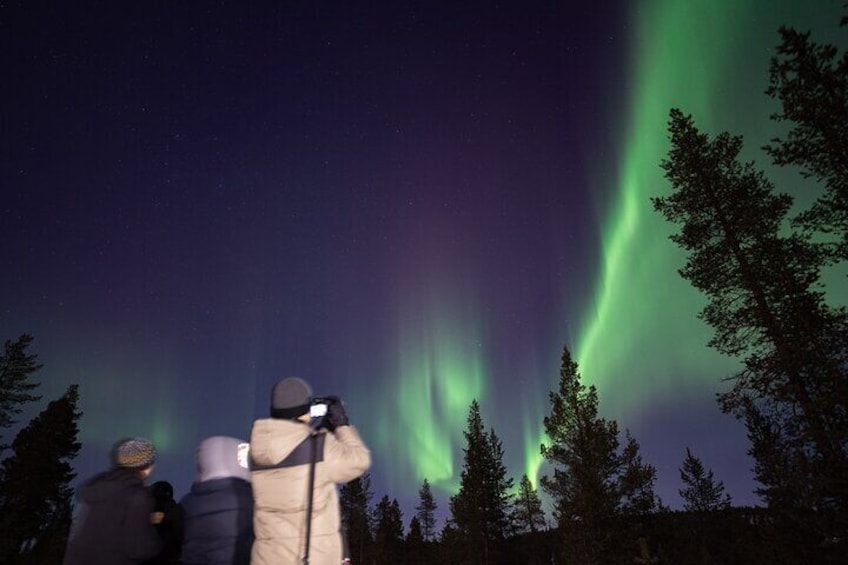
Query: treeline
point(605, 508)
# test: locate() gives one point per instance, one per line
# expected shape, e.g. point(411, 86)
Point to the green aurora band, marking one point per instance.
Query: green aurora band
point(441, 369)
point(640, 342)
point(682, 51)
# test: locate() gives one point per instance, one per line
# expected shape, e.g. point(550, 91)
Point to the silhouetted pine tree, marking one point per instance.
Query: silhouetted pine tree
point(528, 515)
point(425, 511)
point(529, 522)
point(637, 482)
point(583, 451)
point(16, 368)
point(812, 87)
point(388, 532)
point(765, 305)
point(416, 547)
point(451, 547)
point(35, 493)
point(782, 472)
point(707, 517)
point(702, 493)
point(480, 510)
point(594, 485)
point(501, 486)
point(355, 501)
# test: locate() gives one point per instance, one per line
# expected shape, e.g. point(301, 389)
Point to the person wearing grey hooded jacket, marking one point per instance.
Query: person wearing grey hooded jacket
point(218, 511)
point(287, 456)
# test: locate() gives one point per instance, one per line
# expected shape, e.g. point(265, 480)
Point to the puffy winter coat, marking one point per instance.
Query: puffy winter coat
point(112, 524)
point(218, 511)
point(280, 453)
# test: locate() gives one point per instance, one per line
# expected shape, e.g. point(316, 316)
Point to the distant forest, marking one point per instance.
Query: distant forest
point(759, 267)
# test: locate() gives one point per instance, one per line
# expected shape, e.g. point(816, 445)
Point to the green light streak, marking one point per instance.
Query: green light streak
point(640, 342)
point(440, 371)
point(532, 454)
point(640, 333)
point(643, 322)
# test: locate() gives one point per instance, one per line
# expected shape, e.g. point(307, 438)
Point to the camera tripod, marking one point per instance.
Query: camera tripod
point(313, 435)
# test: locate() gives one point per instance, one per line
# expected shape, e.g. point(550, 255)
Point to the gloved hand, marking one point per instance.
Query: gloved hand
point(336, 415)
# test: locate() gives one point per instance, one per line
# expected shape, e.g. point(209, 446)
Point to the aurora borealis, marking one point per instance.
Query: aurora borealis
point(409, 204)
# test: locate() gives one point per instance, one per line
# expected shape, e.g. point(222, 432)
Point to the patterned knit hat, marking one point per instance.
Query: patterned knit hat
point(134, 453)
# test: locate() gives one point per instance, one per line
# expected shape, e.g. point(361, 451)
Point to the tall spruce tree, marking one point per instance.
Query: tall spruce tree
point(16, 368)
point(637, 481)
point(501, 485)
point(528, 515)
point(782, 471)
point(355, 502)
point(388, 531)
point(35, 493)
point(480, 510)
point(810, 81)
point(425, 511)
point(594, 483)
point(416, 547)
point(766, 305)
point(451, 547)
point(701, 492)
point(583, 451)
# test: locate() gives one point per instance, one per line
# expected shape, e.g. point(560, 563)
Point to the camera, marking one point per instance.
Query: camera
point(319, 406)
point(318, 410)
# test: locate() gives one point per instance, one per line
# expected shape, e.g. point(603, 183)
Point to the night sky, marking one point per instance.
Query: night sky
point(409, 204)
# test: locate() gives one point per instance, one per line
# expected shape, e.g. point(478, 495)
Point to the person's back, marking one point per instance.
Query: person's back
point(168, 520)
point(282, 451)
point(218, 511)
point(113, 525)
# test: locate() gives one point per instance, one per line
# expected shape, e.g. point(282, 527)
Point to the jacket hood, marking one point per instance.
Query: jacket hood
point(221, 457)
point(110, 483)
point(272, 440)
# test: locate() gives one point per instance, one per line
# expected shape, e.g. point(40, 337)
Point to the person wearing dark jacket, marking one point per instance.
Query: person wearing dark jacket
point(113, 522)
point(218, 511)
point(168, 520)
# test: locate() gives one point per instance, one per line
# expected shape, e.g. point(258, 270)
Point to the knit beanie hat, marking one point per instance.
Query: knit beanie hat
point(134, 453)
point(290, 398)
